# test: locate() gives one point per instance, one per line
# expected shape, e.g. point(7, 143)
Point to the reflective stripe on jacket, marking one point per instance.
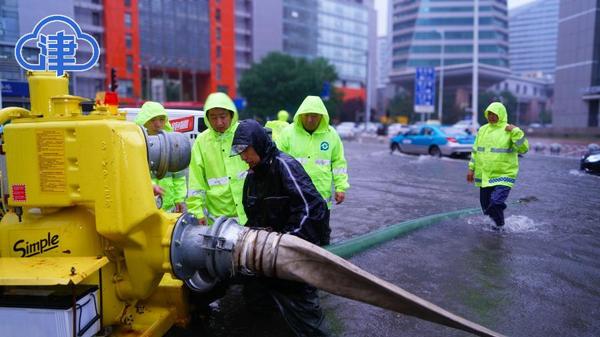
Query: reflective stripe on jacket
point(495, 153)
point(320, 153)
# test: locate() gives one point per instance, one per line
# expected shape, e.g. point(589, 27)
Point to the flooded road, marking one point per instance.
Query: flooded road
point(538, 277)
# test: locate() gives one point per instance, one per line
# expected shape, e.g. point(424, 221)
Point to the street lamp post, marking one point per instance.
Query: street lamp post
point(475, 88)
point(441, 90)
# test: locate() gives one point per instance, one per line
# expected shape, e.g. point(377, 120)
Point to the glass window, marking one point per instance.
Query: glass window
point(128, 41)
point(218, 33)
point(218, 14)
point(96, 19)
point(128, 20)
point(218, 51)
point(129, 64)
point(127, 3)
point(219, 73)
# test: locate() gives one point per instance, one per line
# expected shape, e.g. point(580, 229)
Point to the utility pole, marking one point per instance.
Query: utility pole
point(441, 91)
point(475, 89)
point(368, 93)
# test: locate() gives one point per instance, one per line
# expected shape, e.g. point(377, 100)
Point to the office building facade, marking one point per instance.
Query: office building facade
point(533, 38)
point(420, 29)
point(577, 76)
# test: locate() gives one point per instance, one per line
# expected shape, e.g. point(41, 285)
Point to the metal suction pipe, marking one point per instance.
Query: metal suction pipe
point(167, 152)
point(202, 255)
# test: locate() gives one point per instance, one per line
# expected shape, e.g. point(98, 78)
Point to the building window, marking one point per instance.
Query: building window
point(218, 14)
point(535, 91)
point(127, 3)
point(128, 41)
point(96, 19)
point(505, 86)
point(525, 90)
point(218, 51)
point(518, 89)
point(129, 64)
point(218, 33)
point(125, 88)
point(219, 71)
point(128, 20)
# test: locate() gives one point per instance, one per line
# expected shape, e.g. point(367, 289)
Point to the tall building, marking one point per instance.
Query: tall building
point(533, 34)
point(577, 76)
point(341, 31)
point(243, 36)
point(175, 59)
point(117, 30)
point(420, 29)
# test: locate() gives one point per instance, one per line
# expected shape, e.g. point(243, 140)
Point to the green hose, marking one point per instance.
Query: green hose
point(361, 243)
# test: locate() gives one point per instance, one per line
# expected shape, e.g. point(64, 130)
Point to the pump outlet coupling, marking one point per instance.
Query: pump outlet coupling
point(167, 152)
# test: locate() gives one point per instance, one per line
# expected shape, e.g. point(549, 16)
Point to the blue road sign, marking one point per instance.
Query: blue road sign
point(424, 90)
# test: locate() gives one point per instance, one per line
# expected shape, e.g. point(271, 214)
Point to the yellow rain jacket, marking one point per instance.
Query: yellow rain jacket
point(216, 179)
point(495, 152)
point(320, 153)
point(278, 125)
point(173, 184)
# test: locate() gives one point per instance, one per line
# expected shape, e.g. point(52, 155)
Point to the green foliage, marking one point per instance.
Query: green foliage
point(402, 105)
point(281, 81)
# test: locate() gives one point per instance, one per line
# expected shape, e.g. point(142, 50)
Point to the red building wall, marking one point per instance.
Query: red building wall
point(222, 47)
point(115, 48)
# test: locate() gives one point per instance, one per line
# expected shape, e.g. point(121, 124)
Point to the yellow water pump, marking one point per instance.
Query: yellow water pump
point(82, 210)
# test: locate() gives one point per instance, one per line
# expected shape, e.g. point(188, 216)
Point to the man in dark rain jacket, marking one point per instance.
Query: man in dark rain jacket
point(280, 196)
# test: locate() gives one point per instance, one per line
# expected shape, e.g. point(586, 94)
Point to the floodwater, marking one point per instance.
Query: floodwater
point(540, 276)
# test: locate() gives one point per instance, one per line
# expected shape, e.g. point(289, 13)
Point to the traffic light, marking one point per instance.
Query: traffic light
point(113, 80)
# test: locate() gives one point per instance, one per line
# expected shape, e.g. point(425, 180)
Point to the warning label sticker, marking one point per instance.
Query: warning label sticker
point(19, 193)
point(51, 159)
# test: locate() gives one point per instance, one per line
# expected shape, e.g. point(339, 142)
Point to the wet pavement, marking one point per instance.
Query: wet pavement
point(538, 277)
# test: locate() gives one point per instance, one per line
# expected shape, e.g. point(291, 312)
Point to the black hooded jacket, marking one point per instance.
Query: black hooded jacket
point(278, 193)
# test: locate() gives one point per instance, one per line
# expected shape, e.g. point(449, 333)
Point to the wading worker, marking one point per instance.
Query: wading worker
point(494, 161)
point(278, 125)
point(280, 196)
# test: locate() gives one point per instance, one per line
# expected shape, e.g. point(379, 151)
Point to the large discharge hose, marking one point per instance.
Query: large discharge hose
point(202, 255)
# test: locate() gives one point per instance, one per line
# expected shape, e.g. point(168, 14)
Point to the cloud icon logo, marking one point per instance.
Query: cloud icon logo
point(57, 51)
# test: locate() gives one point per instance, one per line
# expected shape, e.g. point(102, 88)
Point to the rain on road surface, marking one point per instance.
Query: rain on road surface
point(539, 277)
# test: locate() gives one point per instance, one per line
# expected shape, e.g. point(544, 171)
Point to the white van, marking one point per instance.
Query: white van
point(189, 122)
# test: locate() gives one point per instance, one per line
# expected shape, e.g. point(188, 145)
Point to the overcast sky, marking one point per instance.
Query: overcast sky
point(381, 7)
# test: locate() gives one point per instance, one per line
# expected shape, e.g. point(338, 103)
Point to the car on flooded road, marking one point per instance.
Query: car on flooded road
point(590, 161)
point(433, 140)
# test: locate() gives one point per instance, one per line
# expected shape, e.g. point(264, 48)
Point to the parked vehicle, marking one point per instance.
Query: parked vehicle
point(590, 161)
point(433, 140)
point(396, 128)
point(346, 130)
point(466, 126)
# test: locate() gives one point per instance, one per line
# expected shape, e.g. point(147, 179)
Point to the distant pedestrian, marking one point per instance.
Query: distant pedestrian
point(494, 162)
point(278, 125)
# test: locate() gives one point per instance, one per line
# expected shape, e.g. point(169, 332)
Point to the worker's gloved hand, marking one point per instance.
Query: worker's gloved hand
point(180, 207)
point(509, 127)
point(157, 190)
point(470, 176)
point(339, 197)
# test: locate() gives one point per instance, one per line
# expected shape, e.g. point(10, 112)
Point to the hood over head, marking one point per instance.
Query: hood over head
point(250, 133)
point(498, 109)
point(219, 100)
point(283, 115)
point(313, 104)
point(150, 110)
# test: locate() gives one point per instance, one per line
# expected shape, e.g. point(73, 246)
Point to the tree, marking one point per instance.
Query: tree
point(402, 105)
point(281, 81)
